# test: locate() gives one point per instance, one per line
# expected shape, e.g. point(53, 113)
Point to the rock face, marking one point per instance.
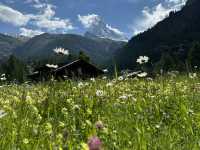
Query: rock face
point(179, 29)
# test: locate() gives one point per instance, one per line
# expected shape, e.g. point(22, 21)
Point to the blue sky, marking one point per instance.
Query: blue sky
point(127, 17)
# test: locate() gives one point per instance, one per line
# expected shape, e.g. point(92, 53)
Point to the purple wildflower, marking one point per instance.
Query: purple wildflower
point(94, 143)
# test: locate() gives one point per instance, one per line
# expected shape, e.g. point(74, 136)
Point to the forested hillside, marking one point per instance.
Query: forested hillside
point(168, 43)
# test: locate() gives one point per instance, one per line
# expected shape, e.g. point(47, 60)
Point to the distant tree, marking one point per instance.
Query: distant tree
point(166, 63)
point(172, 13)
point(14, 69)
point(194, 55)
point(83, 56)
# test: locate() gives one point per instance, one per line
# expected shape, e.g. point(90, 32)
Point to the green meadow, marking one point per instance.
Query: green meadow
point(125, 113)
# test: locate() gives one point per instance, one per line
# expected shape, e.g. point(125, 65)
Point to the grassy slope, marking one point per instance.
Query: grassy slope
point(159, 114)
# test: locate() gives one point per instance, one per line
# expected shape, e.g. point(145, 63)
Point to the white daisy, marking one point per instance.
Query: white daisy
point(132, 74)
point(142, 59)
point(192, 75)
point(2, 113)
point(92, 79)
point(3, 79)
point(52, 66)
point(141, 75)
point(105, 70)
point(61, 51)
point(123, 97)
point(120, 78)
point(99, 93)
point(109, 84)
point(104, 77)
point(80, 84)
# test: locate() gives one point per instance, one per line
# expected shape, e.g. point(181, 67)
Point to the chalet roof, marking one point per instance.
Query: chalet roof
point(90, 69)
point(77, 63)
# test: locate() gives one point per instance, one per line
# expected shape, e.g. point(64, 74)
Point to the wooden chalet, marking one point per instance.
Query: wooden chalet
point(42, 73)
point(78, 69)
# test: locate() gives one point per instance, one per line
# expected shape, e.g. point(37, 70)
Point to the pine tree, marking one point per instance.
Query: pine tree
point(83, 56)
point(14, 69)
point(194, 55)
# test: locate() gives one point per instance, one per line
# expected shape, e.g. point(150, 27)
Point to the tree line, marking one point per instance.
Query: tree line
point(16, 70)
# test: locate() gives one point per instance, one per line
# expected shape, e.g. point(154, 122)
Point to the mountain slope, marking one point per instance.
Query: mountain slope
point(41, 47)
point(177, 32)
point(7, 44)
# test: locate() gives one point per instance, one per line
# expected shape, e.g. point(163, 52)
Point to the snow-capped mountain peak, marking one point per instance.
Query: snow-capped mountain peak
point(97, 27)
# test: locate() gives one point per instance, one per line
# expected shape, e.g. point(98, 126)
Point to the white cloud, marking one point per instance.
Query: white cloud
point(151, 16)
point(54, 24)
point(89, 20)
point(10, 1)
point(175, 4)
point(48, 11)
point(14, 17)
point(47, 20)
point(35, 3)
point(117, 31)
point(29, 32)
point(44, 20)
point(176, 1)
point(32, 1)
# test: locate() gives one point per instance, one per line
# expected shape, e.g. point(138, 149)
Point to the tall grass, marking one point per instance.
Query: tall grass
point(135, 114)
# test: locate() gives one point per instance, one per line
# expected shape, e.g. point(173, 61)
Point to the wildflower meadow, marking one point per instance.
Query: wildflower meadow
point(99, 74)
point(102, 114)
